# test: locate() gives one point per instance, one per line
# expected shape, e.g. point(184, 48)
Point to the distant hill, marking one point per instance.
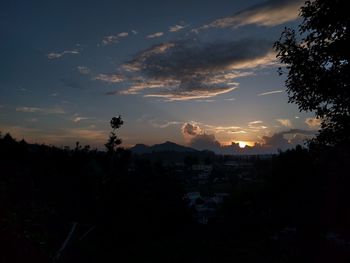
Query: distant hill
point(163, 147)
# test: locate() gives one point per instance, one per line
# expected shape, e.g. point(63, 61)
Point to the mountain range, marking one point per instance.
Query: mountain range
point(163, 147)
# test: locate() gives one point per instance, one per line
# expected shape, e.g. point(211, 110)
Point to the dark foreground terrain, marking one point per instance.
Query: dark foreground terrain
point(82, 205)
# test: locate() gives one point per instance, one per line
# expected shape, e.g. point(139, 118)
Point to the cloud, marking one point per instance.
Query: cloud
point(205, 100)
point(155, 35)
point(78, 119)
point(177, 28)
point(134, 32)
point(110, 78)
point(256, 126)
point(204, 139)
point(313, 123)
point(270, 144)
point(269, 13)
point(164, 124)
point(57, 110)
point(285, 122)
point(205, 142)
point(270, 92)
point(225, 129)
point(255, 122)
point(190, 129)
point(83, 70)
point(113, 39)
point(158, 123)
point(186, 70)
point(28, 109)
point(194, 93)
point(286, 139)
point(123, 34)
point(54, 55)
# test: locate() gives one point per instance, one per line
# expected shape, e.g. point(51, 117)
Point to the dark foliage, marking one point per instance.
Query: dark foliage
point(317, 62)
point(133, 211)
point(114, 141)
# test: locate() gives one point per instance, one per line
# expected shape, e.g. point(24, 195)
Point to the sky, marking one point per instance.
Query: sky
point(198, 73)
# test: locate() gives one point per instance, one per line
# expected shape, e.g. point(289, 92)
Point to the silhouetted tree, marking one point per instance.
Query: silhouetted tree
point(317, 62)
point(113, 140)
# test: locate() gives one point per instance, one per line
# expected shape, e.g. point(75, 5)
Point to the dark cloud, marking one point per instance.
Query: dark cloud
point(192, 70)
point(189, 129)
point(205, 142)
point(185, 59)
point(286, 139)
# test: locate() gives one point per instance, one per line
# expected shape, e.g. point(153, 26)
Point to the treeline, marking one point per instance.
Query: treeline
point(298, 206)
point(83, 205)
point(47, 191)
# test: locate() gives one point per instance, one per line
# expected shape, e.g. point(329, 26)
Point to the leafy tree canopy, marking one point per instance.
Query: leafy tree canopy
point(317, 63)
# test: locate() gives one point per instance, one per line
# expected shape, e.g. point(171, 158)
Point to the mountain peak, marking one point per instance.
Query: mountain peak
point(167, 146)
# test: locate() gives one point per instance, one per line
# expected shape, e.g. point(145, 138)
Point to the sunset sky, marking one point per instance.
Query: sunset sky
point(196, 73)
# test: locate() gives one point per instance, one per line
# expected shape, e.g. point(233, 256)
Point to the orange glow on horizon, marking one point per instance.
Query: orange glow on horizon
point(241, 144)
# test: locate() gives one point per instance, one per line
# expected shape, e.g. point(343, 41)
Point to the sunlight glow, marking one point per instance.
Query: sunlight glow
point(242, 144)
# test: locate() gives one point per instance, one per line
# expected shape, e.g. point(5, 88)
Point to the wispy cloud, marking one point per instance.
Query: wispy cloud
point(79, 119)
point(113, 39)
point(56, 55)
point(57, 110)
point(155, 35)
point(164, 124)
point(270, 92)
point(187, 70)
point(190, 95)
point(225, 129)
point(110, 78)
point(269, 13)
point(255, 122)
point(83, 70)
point(137, 64)
point(177, 28)
point(285, 122)
point(256, 126)
point(313, 123)
point(205, 100)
